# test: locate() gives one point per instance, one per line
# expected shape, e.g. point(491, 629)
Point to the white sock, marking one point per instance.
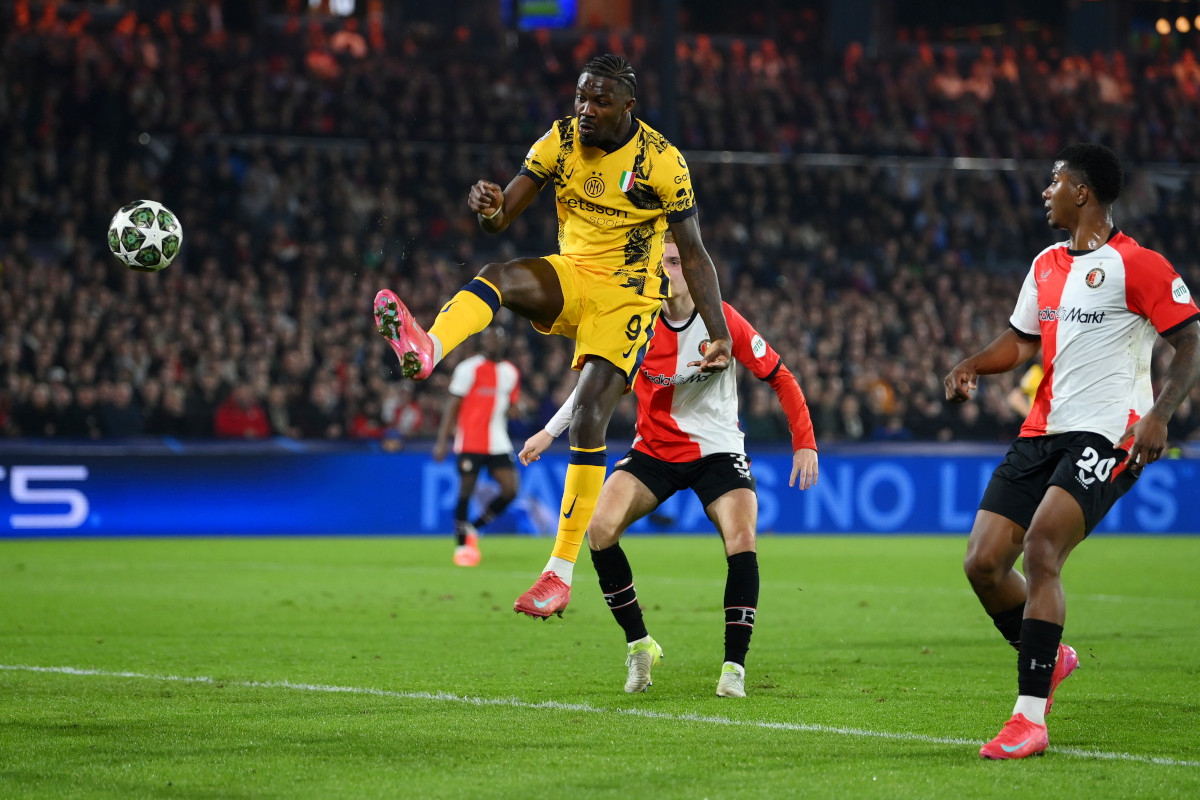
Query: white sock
point(437, 349)
point(1034, 708)
point(562, 568)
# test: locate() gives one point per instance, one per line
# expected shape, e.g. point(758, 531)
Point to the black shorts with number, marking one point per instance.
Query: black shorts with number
point(709, 477)
point(1085, 464)
point(471, 463)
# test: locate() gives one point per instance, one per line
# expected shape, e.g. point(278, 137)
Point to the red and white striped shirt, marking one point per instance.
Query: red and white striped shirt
point(684, 414)
point(1098, 313)
point(488, 389)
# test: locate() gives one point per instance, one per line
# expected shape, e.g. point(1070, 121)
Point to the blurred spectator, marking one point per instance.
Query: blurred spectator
point(241, 416)
point(122, 417)
point(169, 418)
point(36, 416)
point(319, 414)
point(202, 403)
point(279, 413)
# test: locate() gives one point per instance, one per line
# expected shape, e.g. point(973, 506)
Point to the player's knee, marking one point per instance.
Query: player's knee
point(984, 570)
point(739, 541)
point(494, 274)
point(589, 423)
point(1040, 557)
point(603, 531)
point(601, 536)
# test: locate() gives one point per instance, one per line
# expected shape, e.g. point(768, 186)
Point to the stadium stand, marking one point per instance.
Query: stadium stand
point(873, 216)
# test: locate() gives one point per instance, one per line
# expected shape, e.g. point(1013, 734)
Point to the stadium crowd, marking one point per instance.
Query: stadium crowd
point(308, 174)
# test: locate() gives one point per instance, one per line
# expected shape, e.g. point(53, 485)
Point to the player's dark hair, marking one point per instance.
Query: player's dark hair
point(611, 65)
point(1097, 167)
point(668, 237)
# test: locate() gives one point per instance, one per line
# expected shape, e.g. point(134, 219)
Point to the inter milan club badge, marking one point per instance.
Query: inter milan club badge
point(1094, 278)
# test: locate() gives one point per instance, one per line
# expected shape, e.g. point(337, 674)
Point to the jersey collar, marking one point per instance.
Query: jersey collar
point(1077, 253)
point(682, 326)
point(634, 126)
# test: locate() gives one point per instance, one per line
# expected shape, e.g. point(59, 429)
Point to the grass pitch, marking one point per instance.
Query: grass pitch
point(359, 668)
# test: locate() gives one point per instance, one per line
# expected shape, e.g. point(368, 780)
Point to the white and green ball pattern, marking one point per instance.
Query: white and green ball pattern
point(145, 236)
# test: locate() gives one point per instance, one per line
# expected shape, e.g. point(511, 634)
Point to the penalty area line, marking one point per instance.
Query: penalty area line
point(554, 705)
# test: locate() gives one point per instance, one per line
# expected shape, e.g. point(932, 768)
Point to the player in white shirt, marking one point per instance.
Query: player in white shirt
point(484, 388)
point(688, 437)
point(1095, 305)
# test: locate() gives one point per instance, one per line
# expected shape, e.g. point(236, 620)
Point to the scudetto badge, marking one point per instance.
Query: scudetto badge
point(1094, 278)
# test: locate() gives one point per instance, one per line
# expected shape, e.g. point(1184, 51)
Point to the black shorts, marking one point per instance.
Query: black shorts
point(471, 463)
point(709, 477)
point(1085, 464)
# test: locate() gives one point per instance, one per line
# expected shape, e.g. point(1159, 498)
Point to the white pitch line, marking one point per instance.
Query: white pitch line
point(554, 705)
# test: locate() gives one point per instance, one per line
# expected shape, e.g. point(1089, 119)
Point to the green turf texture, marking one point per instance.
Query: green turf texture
point(871, 656)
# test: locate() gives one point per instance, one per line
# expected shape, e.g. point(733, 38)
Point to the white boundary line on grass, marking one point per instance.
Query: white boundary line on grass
point(554, 705)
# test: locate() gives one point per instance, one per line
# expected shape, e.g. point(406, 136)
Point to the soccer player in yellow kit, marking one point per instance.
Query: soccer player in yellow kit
point(619, 187)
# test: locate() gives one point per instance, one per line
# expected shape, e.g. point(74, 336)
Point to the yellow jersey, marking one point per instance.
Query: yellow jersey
point(1031, 380)
point(614, 207)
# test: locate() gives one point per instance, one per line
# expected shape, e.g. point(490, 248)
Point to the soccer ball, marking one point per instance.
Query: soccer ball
point(145, 236)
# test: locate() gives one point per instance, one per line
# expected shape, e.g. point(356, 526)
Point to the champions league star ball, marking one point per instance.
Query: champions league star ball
point(145, 236)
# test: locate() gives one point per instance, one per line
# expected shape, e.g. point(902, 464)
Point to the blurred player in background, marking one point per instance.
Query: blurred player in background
point(688, 438)
point(1021, 398)
point(484, 390)
point(619, 186)
point(1094, 302)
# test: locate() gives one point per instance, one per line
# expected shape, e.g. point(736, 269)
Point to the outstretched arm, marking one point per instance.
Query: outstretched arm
point(536, 445)
point(701, 277)
point(1149, 433)
point(496, 208)
point(1006, 351)
point(804, 442)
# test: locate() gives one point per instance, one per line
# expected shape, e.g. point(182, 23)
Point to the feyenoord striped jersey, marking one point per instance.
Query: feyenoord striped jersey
point(488, 389)
point(683, 414)
point(1098, 313)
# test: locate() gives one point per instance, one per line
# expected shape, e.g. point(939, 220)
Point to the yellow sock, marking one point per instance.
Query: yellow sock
point(467, 313)
point(585, 476)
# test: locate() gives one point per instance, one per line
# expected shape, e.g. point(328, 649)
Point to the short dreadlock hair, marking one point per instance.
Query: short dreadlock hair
point(1097, 167)
point(611, 65)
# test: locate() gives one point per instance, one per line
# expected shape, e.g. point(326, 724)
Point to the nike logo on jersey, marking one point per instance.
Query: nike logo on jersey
point(630, 350)
point(1045, 274)
point(567, 514)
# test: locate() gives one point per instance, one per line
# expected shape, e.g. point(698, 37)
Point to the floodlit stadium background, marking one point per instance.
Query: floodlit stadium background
point(867, 172)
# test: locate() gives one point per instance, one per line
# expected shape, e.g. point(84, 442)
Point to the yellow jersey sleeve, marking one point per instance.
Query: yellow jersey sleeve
point(668, 177)
point(544, 158)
